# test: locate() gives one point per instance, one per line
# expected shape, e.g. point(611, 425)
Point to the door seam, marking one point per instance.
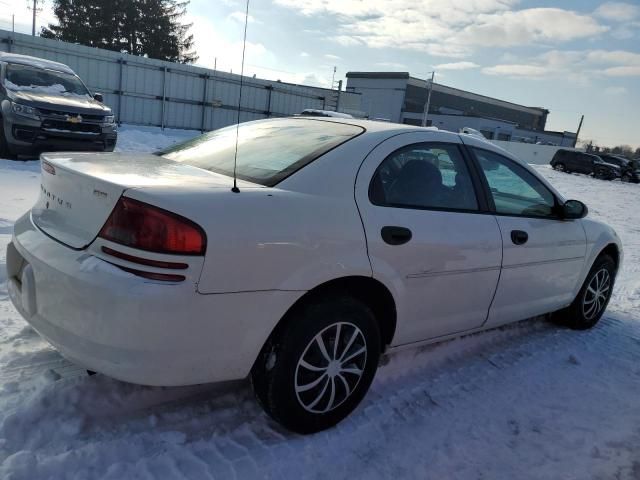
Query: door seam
point(499, 272)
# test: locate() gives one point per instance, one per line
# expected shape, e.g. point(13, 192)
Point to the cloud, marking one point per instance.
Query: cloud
point(517, 70)
point(330, 56)
point(577, 65)
point(304, 54)
point(239, 17)
point(346, 40)
point(618, 11)
point(615, 91)
point(525, 27)
point(456, 66)
point(624, 71)
point(446, 28)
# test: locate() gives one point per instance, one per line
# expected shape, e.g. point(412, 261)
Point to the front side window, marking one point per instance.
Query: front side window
point(515, 191)
point(268, 150)
point(41, 80)
point(428, 175)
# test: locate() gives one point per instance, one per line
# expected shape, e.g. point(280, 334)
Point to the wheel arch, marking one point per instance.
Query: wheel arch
point(368, 290)
point(612, 250)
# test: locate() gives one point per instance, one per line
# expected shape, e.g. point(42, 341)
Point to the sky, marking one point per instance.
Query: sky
point(572, 57)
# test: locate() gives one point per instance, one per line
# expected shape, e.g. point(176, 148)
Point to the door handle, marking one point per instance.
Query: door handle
point(519, 237)
point(396, 235)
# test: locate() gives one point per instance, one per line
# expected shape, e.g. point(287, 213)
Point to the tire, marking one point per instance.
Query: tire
point(560, 167)
point(587, 308)
point(626, 178)
point(4, 147)
point(599, 174)
point(304, 389)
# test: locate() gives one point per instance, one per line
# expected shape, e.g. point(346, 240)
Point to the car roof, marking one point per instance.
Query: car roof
point(374, 126)
point(34, 62)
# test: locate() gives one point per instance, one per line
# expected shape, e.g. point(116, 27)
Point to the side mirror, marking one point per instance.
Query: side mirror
point(98, 97)
point(573, 209)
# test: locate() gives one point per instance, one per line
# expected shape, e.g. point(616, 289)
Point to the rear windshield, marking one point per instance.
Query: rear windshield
point(40, 80)
point(268, 150)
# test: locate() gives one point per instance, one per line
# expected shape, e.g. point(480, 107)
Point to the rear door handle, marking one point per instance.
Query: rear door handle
point(519, 237)
point(396, 235)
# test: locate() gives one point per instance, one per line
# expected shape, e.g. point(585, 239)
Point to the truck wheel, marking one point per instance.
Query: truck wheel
point(592, 299)
point(317, 369)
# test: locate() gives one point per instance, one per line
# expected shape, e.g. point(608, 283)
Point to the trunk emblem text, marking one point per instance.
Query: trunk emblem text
point(52, 197)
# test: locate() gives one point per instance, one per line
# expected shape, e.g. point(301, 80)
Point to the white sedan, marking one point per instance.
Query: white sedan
point(344, 240)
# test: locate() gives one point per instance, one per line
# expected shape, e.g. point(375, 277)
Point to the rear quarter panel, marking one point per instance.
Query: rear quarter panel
point(295, 236)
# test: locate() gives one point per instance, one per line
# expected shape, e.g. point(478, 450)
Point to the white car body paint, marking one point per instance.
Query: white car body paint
point(266, 247)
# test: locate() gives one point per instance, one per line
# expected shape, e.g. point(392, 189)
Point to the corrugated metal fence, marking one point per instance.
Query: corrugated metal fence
point(145, 91)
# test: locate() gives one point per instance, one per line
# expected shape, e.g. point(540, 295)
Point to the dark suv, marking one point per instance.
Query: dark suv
point(630, 169)
point(45, 106)
point(580, 162)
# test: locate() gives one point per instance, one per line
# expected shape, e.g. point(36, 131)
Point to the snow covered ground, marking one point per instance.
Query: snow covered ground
point(527, 401)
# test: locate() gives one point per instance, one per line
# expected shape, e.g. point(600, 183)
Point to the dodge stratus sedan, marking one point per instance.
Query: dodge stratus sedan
point(345, 239)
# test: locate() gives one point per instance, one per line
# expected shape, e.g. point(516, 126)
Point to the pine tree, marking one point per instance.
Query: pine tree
point(151, 28)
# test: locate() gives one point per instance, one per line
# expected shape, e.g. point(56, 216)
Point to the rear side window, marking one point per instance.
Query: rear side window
point(268, 151)
point(425, 175)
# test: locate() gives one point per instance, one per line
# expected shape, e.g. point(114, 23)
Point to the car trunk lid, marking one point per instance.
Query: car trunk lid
point(78, 191)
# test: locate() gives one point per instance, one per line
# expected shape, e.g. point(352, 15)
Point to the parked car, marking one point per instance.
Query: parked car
point(630, 169)
point(580, 162)
point(312, 112)
point(472, 131)
point(45, 106)
point(344, 240)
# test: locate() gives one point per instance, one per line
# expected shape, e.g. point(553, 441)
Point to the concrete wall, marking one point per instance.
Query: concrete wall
point(537, 154)
point(145, 91)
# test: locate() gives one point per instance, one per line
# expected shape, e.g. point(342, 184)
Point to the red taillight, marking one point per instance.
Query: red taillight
point(145, 227)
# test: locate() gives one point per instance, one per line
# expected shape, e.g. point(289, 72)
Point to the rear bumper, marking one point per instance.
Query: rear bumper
point(29, 137)
point(131, 328)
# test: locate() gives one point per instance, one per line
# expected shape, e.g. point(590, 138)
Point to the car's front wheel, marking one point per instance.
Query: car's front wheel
point(593, 297)
point(318, 367)
point(626, 177)
point(560, 167)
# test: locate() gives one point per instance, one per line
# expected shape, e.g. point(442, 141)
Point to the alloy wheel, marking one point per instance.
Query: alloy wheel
point(330, 367)
point(596, 294)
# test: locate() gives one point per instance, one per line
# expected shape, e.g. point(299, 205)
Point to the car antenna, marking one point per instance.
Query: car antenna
point(235, 188)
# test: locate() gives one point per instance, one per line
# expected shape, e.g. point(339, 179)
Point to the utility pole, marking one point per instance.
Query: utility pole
point(575, 140)
point(333, 78)
point(34, 12)
point(425, 114)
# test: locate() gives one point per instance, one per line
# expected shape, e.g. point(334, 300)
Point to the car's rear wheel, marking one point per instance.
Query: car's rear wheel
point(318, 367)
point(592, 299)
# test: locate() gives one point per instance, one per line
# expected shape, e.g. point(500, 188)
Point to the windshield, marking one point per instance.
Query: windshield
point(31, 79)
point(268, 150)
